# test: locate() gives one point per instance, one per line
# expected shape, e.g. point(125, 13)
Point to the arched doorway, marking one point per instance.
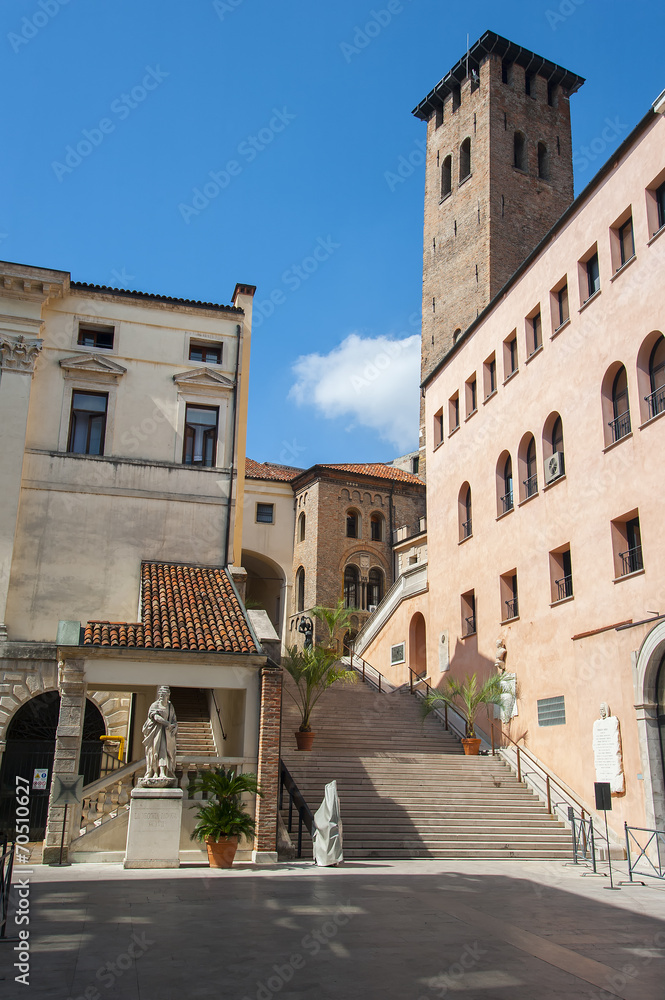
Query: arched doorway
point(266, 586)
point(650, 714)
point(660, 701)
point(418, 645)
point(31, 746)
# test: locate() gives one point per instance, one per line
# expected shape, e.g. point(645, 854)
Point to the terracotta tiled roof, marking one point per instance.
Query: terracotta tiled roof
point(266, 470)
point(379, 470)
point(184, 607)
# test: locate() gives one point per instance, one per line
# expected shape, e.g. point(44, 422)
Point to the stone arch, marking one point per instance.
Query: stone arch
point(367, 497)
point(651, 722)
point(34, 683)
point(345, 495)
point(266, 585)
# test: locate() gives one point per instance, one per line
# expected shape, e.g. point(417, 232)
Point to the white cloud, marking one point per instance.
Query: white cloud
point(373, 380)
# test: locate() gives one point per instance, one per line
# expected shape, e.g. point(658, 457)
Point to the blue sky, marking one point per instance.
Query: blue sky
point(300, 118)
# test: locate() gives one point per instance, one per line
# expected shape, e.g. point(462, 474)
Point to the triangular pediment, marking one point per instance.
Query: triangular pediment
point(93, 364)
point(203, 378)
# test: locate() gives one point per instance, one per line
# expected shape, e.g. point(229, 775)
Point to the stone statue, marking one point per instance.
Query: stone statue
point(500, 655)
point(607, 750)
point(159, 740)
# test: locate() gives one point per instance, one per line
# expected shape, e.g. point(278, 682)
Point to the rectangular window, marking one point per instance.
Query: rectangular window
point(534, 332)
point(622, 242)
point(561, 574)
point(510, 355)
point(489, 376)
point(87, 426)
point(509, 602)
point(438, 428)
point(656, 204)
point(593, 275)
point(468, 602)
point(552, 711)
point(397, 654)
point(207, 354)
point(453, 412)
point(660, 205)
point(265, 513)
point(415, 465)
point(200, 446)
point(627, 545)
point(559, 305)
point(96, 337)
point(471, 396)
point(626, 242)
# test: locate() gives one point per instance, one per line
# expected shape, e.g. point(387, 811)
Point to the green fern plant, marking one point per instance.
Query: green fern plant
point(467, 697)
point(224, 814)
point(314, 670)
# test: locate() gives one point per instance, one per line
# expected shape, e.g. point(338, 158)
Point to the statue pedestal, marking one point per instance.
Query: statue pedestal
point(153, 836)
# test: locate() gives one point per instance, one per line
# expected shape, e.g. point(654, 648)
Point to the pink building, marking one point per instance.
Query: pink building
point(545, 490)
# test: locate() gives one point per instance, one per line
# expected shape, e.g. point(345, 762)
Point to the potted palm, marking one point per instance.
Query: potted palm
point(314, 670)
point(335, 620)
point(223, 818)
point(467, 697)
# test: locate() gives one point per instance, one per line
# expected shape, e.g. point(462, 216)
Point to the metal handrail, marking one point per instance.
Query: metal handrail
point(564, 587)
point(631, 560)
point(507, 501)
point(656, 401)
point(620, 426)
point(511, 608)
point(6, 865)
point(305, 814)
point(219, 714)
point(530, 486)
point(659, 835)
point(470, 623)
point(466, 529)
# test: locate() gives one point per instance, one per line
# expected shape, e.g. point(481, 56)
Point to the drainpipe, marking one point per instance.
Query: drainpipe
point(390, 536)
point(233, 443)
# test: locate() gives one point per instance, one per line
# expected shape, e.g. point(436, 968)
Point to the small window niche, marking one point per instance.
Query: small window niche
point(552, 94)
point(453, 412)
point(438, 116)
point(438, 428)
point(376, 530)
point(457, 97)
point(543, 162)
point(559, 304)
point(265, 513)
point(510, 360)
point(205, 352)
point(622, 240)
point(489, 376)
point(471, 391)
point(96, 337)
point(589, 274)
point(509, 600)
point(534, 331)
point(561, 574)
point(627, 545)
point(519, 151)
point(468, 607)
point(446, 176)
point(465, 160)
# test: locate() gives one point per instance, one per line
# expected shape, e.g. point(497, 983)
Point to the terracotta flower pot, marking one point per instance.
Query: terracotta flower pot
point(304, 740)
point(471, 747)
point(222, 852)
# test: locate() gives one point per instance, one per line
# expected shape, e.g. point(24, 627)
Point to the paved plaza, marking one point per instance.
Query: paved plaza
point(410, 930)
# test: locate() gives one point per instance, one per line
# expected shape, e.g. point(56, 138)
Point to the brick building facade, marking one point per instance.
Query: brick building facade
point(499, 174)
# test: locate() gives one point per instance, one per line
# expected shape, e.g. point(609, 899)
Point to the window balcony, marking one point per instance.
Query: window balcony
point(470, 625)
point(466, 529)
point(530, 486)
point(656, 402)
point(620, 427)
point(507, 501)
point(631, 560)
point(512, 609)
point(564, 588)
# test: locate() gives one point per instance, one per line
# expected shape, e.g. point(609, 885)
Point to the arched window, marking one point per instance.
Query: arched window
point(656, 397)
point(553, 448)
point(352, 524)
point(504, 483)
point(527, 467)
point(557, 436)
point(620, 424)
point(375, 587)
point(543, 161)
point(351, 577)
point(301, 527)
point(447, 176)
point(519, 151)
point(300, 590)
point(465, 159)
point(464, 512)
point(376, 523)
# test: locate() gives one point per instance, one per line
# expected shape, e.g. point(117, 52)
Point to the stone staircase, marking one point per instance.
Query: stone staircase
point(406, 789)
point(195, 736)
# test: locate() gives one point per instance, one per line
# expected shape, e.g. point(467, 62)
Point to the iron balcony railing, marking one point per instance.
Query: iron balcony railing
point(466, 529)
point(511, 608)
point(564, 587)
point(530, 486)
point(507, 501)
point(470, 625)
point(656, 401)
point(631, 560)
point(620, 426)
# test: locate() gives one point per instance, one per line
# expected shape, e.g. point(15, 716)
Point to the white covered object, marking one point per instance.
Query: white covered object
point(327, 837)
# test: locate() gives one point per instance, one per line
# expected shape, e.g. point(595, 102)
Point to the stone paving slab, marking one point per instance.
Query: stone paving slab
point(413, 930)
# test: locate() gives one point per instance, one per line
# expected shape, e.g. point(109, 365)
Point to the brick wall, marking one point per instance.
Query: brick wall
point(268, 766)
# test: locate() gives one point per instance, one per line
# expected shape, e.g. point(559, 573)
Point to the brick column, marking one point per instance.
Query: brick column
point(72, 688)
point(265, 841)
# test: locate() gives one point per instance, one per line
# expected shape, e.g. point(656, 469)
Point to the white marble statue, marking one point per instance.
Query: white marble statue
point(159, 741)
point(607, 752)
point(500, 655)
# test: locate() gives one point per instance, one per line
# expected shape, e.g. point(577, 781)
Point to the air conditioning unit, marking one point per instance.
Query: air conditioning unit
point(554, 467)
point(372, 608)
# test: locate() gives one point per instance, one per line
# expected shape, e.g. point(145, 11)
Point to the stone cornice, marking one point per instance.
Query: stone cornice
point(36, 284)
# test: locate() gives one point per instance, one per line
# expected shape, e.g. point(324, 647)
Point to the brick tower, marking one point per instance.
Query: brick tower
point(499, 174)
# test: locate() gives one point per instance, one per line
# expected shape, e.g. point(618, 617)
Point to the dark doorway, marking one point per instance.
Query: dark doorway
point(31, 745)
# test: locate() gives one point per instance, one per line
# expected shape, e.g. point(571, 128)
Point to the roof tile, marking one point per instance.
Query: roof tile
point(267, 470)
point(377, 469)
point(184, 607)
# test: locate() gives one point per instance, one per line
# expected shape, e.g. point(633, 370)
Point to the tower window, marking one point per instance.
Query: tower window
point(505, 71)
point(529, 84)
point(551, 94)
point(519, 151)
point(447, 177)
point(457, 97)
point(543, 162)
point(465, 160)
point(438, 120)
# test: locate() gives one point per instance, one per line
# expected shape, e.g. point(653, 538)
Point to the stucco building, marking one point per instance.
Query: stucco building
point(544, 426)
